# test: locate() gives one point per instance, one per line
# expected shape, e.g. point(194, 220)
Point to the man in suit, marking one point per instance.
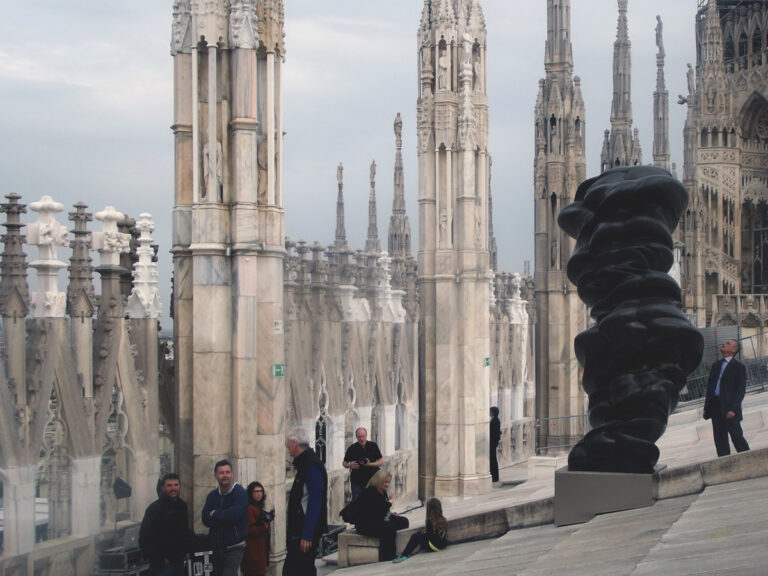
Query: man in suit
point(725, 392)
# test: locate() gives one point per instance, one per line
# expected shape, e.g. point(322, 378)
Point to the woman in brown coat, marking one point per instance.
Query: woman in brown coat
point(256, 555)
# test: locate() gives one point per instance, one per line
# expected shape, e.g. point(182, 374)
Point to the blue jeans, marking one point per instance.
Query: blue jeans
point(226, 561)
point(356, 489)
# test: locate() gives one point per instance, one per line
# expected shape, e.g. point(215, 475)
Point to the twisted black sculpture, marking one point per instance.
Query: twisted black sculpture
point(636, 358)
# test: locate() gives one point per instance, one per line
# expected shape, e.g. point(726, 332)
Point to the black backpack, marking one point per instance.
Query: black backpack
point(350, 512)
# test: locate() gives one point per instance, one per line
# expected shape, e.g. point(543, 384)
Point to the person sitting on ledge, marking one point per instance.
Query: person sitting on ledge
point(375, 517)
point(433, 537)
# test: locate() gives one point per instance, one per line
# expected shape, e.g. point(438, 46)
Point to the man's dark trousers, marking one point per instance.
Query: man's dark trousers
point(298, 563)
point(722, 427)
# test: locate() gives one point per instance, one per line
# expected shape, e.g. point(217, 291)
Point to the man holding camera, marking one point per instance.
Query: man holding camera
point(363, 458)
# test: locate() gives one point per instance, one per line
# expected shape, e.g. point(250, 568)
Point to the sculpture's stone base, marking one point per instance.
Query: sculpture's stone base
point(580, 496)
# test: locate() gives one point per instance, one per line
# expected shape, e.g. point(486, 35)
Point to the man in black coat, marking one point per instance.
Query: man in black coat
point(495, 439)
point(725, 392)
point(165, 538)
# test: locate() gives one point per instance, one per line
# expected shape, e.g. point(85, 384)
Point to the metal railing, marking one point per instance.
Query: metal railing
point(559, 435)
point(696, 387)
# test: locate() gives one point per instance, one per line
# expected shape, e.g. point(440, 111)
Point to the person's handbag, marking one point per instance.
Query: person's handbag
point(350, 512)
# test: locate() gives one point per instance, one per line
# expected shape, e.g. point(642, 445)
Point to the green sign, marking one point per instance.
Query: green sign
point(278, 369)
point(487, 361)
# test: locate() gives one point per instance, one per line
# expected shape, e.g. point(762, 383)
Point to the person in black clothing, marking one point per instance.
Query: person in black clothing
point(376, 517)
point(495, 439)
point(433, 537)
point(725, 392)
point(363, 458)
point(165, 538)
point(307, 515)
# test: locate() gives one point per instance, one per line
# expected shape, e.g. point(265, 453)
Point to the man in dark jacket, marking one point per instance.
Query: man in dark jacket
point(165, 538)
point(225, 513)
point(495, 439)
point(307, 516)
point(725, 392)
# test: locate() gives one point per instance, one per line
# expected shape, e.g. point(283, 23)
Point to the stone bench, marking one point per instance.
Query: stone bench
point(356, 549)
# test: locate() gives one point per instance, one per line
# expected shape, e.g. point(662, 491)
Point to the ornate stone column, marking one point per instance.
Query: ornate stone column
point(144, 309)
point(47, 234)
point(17, 473)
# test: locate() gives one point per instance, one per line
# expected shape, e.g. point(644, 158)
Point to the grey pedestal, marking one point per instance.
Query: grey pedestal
point(579, 496)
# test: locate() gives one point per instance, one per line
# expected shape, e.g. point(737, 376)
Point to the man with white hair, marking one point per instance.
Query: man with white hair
point(307, 515)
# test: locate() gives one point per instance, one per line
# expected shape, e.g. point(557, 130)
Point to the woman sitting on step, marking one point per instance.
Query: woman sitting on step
point(376, 517)
point(433, 537)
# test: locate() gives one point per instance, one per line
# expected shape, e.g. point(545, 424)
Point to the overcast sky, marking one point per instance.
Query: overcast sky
point(86, 105)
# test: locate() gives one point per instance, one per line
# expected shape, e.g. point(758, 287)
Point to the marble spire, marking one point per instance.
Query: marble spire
point(712, 103)
point(372, 244)
point(14, 291)
point(399, 242)
point(81, 299)
point(341, 232)
point(559, 167)
point(144, 301)
point(558, 50)
point(660, 106)
point(622, 147)
point(47, 234)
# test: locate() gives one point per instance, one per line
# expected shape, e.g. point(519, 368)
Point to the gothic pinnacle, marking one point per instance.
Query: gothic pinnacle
point(372, 243)
point(341, 233)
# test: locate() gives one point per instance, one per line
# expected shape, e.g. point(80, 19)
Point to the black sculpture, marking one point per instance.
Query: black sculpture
point(636, 358)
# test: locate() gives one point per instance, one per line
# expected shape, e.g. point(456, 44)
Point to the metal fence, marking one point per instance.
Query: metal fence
point(558, 435)
point(696, 387)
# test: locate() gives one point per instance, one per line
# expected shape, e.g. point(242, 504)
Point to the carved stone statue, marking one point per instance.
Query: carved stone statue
point(399, 130)
point(691, 84)
point(477, 63)
point(637, 355)
point(659, 35)
point(261, 161)
point(373, 170)
point(340, 173)
point(442, 73)
point(212, 166)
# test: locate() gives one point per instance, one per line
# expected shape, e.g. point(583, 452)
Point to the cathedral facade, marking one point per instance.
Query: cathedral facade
point(725, 230)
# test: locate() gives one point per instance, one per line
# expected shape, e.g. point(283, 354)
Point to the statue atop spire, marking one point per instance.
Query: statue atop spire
point(399, 238)
point(660, 106)
point(372, 244)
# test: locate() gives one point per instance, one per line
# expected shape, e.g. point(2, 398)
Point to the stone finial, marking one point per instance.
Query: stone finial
point(14, 292)
point(144, 301)
point(81, 298)
point(47, 234)
point(109, 242)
